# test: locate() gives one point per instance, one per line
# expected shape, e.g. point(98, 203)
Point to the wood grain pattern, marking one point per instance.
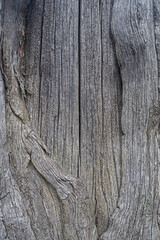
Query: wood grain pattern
point(79, 122)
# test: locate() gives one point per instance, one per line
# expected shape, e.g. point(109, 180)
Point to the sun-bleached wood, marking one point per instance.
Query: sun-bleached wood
point(79, 122)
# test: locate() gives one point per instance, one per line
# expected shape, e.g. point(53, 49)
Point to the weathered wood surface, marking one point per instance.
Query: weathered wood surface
point(79, 123)
point(133, 31)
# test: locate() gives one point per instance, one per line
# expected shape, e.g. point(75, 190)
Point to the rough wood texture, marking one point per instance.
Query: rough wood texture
point(79, 123)
point(133, 31)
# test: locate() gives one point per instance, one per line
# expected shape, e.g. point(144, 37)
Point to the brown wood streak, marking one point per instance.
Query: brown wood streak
point(22, 45)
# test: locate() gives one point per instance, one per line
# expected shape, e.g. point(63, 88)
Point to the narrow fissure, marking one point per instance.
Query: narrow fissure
point(79, 87)
point(120, 99)
point(156, 20)
point(101, 37)
point(40, 70)
point(28, 8)
point(120, 128)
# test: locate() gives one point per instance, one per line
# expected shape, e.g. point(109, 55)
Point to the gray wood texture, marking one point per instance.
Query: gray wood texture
point(79, 122)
